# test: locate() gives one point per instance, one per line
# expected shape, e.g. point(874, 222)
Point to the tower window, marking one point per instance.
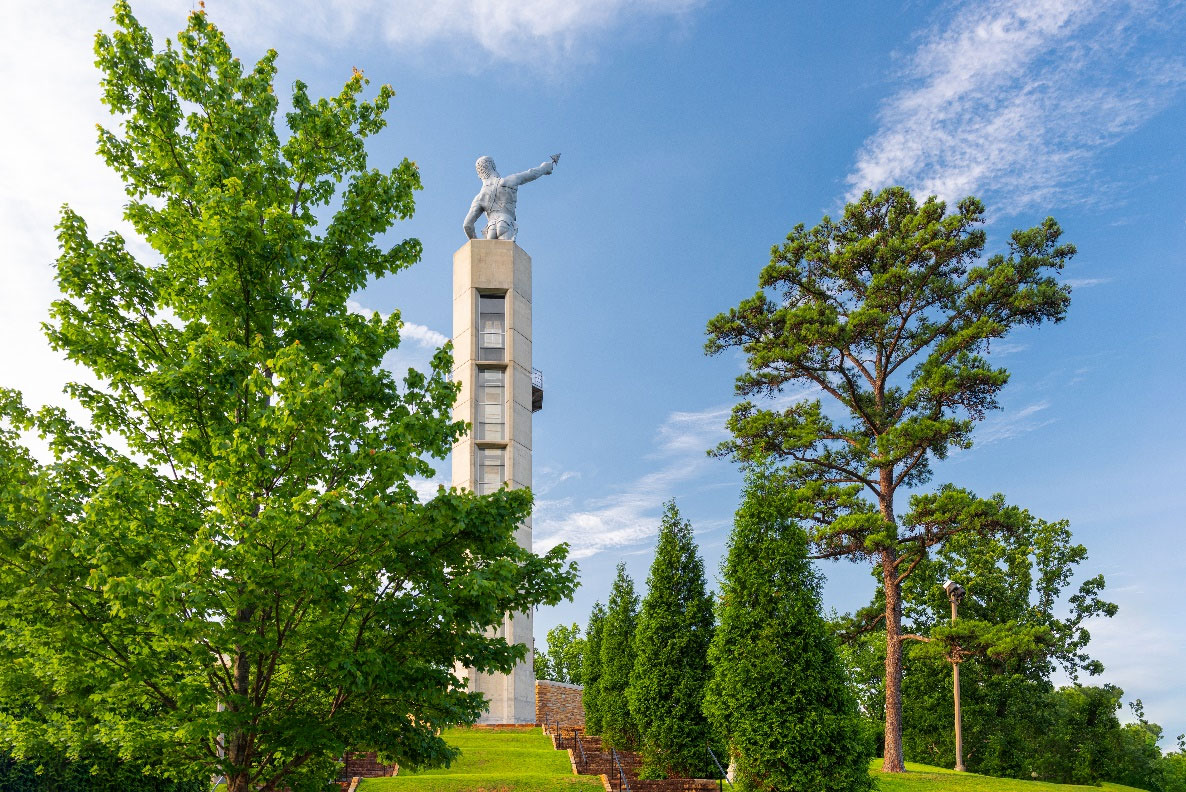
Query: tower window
point(490, 402)
point(491, 469)
point(492, 327)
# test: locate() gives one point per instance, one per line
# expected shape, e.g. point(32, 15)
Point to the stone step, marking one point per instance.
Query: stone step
point(600, 762)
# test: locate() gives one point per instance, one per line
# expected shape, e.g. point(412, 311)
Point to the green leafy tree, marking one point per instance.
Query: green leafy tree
point(229, 571)
point(562, 661)
point(591, 670)
point(540, 666)
point(617, 663)
point(1085, 743)
point(778, 692)
point(1079, 744)
point(1015, 629)
point(675, 626)
point(886, 313)
point(1139, 762)
point(1174, 767)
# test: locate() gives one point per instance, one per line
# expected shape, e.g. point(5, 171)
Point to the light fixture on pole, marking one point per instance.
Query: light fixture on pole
point(955, 593)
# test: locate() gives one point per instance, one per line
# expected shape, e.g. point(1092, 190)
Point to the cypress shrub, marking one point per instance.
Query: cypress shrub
point(617, 662)
point(778, 691)
point(591, 670)
point(671, 642)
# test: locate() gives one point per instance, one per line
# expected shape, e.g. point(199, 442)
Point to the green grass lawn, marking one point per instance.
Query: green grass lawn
point(924, 778)
point(524, 761)
point(494, 761)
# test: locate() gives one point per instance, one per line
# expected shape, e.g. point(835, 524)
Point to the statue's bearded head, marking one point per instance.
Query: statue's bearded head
point(485, 168)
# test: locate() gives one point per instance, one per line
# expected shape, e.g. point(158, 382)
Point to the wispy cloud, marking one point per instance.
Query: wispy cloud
point(631, 515)
point(1003, 348)
point(688, 432)
point(1007, 425)
point(540, 32)
point(546, 479)
point(1012, 99)
point(1083, 283)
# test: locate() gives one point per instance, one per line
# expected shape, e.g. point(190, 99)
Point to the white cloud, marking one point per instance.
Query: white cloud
point(690, 432)
point(422, 335)
point(546, 479)
point(426, 489)
point(631, 516)
point(49, 87)
point(1083, 283)
point(1012, 99)
point(535, 32)
point(1003, 348)
point(1006, 426)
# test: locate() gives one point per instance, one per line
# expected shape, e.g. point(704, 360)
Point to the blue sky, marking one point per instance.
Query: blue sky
point(695, 134)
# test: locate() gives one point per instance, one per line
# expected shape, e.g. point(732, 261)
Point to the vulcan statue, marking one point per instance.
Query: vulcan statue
point(498, 197)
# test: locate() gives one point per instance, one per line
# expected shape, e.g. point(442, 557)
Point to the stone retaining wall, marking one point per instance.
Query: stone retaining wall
point(559, 701)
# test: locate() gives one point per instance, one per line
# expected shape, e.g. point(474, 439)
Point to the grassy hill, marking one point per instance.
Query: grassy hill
point(524, 761)
point(494, 761)
point(924, 778)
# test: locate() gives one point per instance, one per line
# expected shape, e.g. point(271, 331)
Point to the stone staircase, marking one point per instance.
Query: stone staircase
point(599, 761)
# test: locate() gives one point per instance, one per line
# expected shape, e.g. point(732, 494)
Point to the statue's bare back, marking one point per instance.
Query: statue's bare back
point(498, 198)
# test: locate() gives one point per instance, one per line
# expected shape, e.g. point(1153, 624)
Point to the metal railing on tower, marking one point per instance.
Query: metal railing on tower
point(537, 390)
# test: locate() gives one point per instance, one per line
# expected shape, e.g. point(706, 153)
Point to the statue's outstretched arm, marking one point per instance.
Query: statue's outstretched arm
point(471, 217)
point(515, 179)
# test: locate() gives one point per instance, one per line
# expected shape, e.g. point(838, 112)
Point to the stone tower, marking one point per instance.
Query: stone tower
point(492, 361)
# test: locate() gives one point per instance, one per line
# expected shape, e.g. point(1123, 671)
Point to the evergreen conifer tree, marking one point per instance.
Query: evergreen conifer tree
point(886, 313)
point(591, 670)
point(617, 662)
point(778, 691)
point(675, 626)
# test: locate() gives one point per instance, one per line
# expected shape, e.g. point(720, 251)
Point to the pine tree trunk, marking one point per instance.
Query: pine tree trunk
point(893, 665)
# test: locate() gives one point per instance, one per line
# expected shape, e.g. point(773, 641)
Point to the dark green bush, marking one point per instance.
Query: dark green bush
point(778, 692)
point(617, 662)
point(671, 655)
point(96, 773)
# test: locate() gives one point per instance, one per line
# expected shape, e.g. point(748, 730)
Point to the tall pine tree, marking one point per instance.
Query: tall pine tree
point(778, 692)
point(887, 314)
point(591, 670)
point(617, 662)
point(671, 641)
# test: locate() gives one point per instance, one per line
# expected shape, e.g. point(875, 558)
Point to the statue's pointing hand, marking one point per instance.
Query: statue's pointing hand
point(555, 158)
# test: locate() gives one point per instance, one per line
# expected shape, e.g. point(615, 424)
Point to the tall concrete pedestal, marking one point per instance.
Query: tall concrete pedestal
point(492, 353)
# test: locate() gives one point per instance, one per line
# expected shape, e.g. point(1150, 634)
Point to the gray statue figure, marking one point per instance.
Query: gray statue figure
point(498, 197)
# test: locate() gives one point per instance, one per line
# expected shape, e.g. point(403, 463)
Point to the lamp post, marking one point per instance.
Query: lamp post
point(955, 593)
